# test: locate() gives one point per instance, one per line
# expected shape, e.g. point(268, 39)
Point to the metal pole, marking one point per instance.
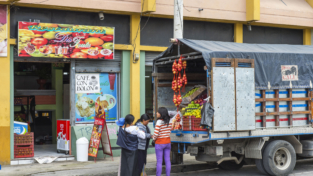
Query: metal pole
point(178, 19)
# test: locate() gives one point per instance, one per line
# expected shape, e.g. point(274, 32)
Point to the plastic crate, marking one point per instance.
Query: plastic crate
point(191, 123)
point(23, 151)
point(24, 139)
point(18, 101)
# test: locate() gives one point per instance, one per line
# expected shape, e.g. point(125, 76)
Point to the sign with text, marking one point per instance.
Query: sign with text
point(289, 72)
point(87, 83)
point(89, 105)
point(65, 41)
point(3, 31)
point(96, 137)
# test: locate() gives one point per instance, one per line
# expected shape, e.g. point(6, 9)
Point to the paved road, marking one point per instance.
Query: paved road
point(303, 168)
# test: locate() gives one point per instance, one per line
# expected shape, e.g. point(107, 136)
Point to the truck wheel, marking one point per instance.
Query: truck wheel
point(259, 162)
point(279, 158)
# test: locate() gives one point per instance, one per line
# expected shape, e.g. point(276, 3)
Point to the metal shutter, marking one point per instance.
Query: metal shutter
point(150, 56)
point(98, 66)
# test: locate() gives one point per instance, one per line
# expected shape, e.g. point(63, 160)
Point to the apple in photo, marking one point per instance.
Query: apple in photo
point(93, 57)
point(49, 35)
point(39, 41)
point(108, 45)
point(39, 32)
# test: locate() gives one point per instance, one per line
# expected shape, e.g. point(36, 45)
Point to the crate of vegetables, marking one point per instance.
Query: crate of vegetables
point(191, 123)
point(193, 93)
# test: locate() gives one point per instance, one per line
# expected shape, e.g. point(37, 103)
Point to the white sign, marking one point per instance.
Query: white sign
point(289, 72)
point(87, 83)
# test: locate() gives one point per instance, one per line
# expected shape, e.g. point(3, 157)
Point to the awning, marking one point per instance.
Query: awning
point(276, 66)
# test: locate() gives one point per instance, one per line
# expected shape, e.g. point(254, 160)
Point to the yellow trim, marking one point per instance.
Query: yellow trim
point(306, 36)
point(12, 41)
point(5, 112)
point(238, 33)
point(122, 47)
point(153, 48)
point(135, 66)
point(310, 2)
point(148, 5)
point(252, 10)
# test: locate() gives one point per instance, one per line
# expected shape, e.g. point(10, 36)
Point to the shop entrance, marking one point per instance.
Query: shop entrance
point(41, 93)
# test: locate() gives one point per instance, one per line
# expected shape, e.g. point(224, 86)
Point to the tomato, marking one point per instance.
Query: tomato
point(107, 38)
point(27, 23)
point(109, 56)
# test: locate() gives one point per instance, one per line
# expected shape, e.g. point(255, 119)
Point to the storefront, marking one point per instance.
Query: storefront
point(61, 71)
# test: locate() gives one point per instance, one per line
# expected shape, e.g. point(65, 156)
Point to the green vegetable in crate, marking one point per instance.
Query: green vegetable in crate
point(190, 92)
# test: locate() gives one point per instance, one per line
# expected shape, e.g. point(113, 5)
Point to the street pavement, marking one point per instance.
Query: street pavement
point(109, 168)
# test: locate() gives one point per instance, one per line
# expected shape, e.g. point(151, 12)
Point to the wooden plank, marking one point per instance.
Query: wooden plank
point(290, 108)
point(263, 109)
point(277, 107)
point(281, 113)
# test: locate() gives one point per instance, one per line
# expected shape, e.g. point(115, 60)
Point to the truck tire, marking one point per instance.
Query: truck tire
point(230, 165)
point(279, 158)
point(259, 162)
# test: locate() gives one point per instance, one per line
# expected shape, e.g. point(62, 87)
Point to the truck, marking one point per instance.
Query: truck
point(262, 99)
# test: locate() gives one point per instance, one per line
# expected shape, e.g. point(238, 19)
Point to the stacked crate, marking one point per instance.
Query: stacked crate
point(24, 145)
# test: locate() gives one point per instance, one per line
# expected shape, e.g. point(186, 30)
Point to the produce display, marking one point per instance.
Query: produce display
point(178, 81)
point(190, 92)
point(176, 123)
point(65, 41)
point(193, 109)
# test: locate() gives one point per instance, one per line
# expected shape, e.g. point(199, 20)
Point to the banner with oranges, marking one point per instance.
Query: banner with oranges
point(65, 41)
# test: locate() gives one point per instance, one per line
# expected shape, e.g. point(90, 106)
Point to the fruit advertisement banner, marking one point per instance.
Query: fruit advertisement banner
point(95, 137)
point(89, 105)
point(65, 41)
point(3, 31)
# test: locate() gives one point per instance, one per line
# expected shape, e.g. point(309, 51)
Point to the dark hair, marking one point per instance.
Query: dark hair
point(143, 117)
point(129, 119)
point(164, 115)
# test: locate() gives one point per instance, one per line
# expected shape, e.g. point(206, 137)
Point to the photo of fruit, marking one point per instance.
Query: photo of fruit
point(65, 41)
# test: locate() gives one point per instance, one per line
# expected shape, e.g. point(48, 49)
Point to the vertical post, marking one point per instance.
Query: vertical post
point(135, 66)
point(238, 33)
point(58, 86)
point(125, 83)
point(277, 108)
point(142, 83)
point(178, 18)
point(72, 92)
point(290, 108)
point(12, 102)
point(310, 106)
point(306, 36)
point(264, 109)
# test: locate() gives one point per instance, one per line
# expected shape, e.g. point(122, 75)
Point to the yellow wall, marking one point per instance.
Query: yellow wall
point(135, 67)
point(5, 104)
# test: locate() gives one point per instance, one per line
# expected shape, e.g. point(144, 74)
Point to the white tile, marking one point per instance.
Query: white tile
point(14, 162)
point(26, 161)
point(70, 159)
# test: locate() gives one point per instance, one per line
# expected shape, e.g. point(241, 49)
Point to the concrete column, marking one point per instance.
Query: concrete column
point(142, 83)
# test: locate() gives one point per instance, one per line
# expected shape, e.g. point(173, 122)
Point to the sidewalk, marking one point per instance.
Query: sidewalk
point(105, 167)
